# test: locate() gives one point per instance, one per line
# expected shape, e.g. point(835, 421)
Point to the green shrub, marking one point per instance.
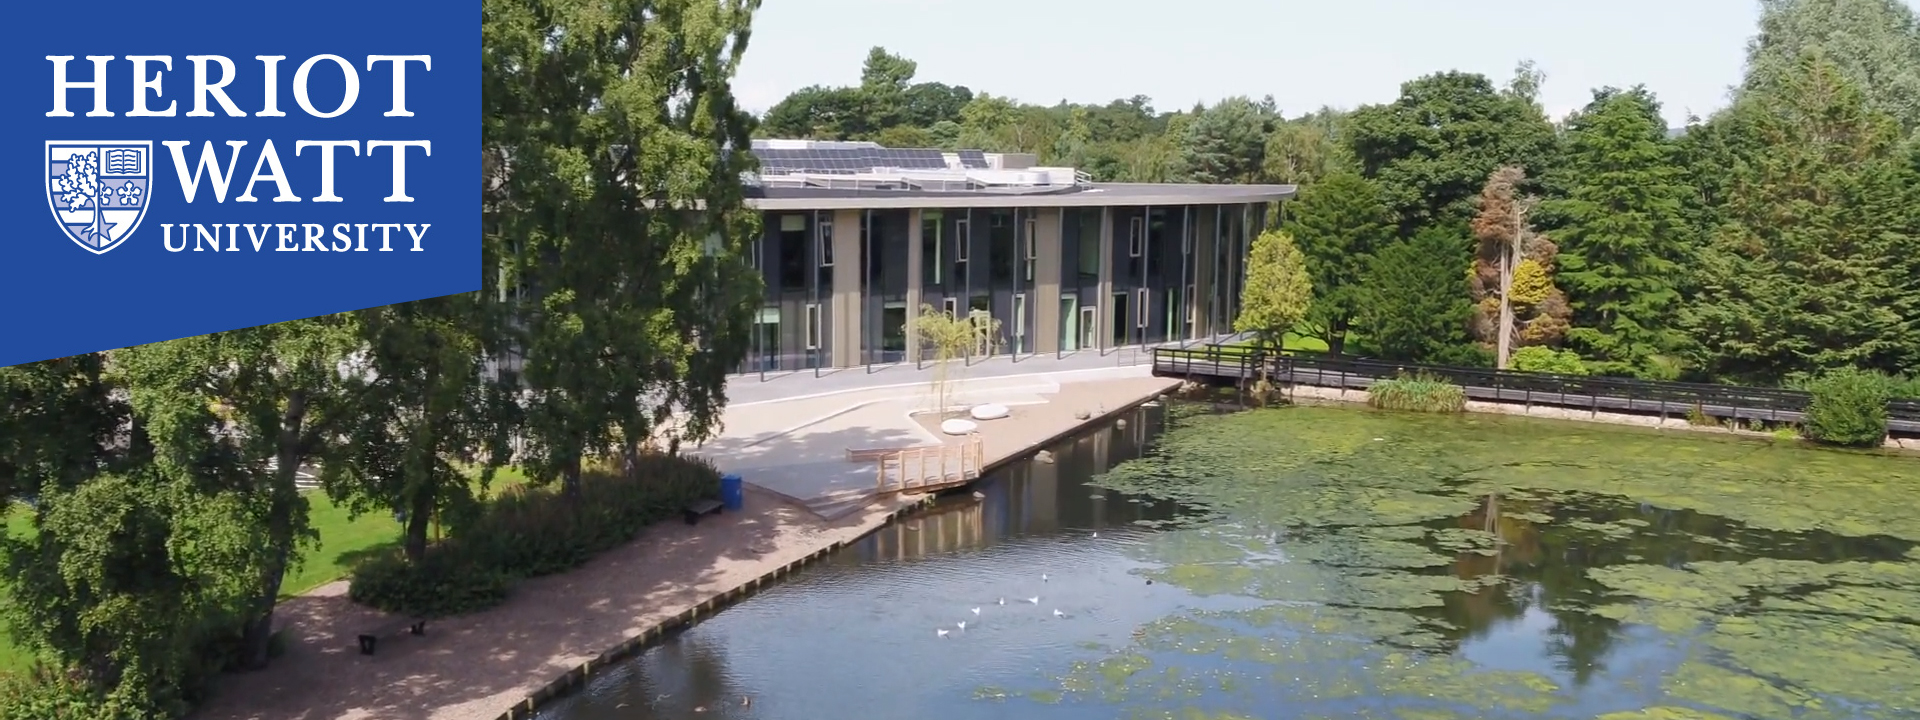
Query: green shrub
point(446, 582)
point(529, 532)
point(1697, 415)
point(46, 694)
point(1907, 388)
point(1463, 355)
point(1538, 358)
point(1419, 392)
point(1849, 407)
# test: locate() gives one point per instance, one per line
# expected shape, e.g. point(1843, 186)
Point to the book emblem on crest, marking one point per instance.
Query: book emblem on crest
point(98, 190)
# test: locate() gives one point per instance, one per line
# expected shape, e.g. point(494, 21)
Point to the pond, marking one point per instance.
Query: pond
point(1340, 562)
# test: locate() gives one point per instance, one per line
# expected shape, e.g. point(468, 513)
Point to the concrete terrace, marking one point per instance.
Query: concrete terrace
point(793, 443)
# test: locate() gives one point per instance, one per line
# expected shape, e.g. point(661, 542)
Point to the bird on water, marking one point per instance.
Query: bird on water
point(1035, 599)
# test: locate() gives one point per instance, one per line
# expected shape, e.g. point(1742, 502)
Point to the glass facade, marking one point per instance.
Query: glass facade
point(1056, 280)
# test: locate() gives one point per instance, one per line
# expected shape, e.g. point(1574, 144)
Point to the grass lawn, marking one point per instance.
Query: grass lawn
point(343, 541)
point(1294, 341)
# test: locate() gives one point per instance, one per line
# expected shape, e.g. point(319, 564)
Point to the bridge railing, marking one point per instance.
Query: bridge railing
point(1580, 391)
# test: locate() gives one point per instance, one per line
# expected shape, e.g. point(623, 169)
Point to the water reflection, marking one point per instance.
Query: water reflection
point(1547, 542)
point(1336, 564)
point(856, 635)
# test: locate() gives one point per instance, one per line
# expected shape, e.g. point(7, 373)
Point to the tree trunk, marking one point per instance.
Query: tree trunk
point(1504, 341)
point(282, 494)
point(570, 478)
point(1337, 336)
point(419, 520)
point(257, 636)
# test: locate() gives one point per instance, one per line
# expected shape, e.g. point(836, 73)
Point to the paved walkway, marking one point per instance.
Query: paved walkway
point(475, 667)
point(797, 447)
point(755, 387)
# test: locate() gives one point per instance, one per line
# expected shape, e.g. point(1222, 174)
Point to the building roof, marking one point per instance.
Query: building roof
point(1088, 195)
point(821, 175)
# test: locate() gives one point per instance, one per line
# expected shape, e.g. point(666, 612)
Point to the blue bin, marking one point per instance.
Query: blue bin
point(733, 493)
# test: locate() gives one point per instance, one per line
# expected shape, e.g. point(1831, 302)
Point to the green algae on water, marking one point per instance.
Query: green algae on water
point(1788, 577)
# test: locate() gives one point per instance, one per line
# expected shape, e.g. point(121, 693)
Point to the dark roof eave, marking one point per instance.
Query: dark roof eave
point(1098, 195)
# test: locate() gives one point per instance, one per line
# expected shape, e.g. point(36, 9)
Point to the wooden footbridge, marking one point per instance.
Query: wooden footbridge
point(1722, 403)
point(926, 468)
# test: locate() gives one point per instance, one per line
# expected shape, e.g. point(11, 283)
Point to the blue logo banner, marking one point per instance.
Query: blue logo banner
point(177, 168)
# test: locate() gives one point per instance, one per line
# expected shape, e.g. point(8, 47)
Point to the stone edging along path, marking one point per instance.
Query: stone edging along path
point(578, 676)
point(633, 645)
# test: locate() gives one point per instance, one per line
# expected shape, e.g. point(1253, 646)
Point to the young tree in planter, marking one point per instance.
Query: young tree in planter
point(946, 338)
point(617, 194)
point(1278, 290)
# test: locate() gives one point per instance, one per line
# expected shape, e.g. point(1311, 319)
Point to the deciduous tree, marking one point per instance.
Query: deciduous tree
point(1278, 290)
point(432, 413)
point(235, 415)
point(1875, 44)
point(621, 207)
point(1432, 149)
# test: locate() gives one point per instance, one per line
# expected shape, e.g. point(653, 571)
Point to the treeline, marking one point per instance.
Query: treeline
point(1773, 241)
point(153, 506)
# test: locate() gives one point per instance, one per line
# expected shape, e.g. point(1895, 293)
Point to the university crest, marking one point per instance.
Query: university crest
point(98, 189)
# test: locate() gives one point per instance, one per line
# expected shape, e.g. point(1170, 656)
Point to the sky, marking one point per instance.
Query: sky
point(1339, 53)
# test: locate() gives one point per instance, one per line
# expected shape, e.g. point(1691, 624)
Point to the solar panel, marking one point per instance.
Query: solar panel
point(923, 159)
point(843, 159)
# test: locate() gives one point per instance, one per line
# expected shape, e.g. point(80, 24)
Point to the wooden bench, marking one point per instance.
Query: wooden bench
point(412, 625)
point(698, 508)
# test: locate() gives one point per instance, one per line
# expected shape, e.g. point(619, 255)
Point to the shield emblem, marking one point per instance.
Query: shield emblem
point(98, 190)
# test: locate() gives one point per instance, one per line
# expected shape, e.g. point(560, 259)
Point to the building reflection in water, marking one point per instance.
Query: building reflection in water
point(1028, 498)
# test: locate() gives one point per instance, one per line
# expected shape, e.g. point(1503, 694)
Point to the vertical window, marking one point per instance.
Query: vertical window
point(951, 306)
point(823, 240)
point(1089, 265)
point(962, 237)
point(1019, 323)
point(813, 326)
point(932, 269)
point(1136, 236)
point(1033, 234)
point(1140, 313)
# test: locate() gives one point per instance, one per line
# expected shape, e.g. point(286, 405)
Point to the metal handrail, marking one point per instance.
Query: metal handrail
point(1748, 401)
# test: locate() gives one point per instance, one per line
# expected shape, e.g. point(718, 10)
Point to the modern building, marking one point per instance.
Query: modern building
point(858, 237)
